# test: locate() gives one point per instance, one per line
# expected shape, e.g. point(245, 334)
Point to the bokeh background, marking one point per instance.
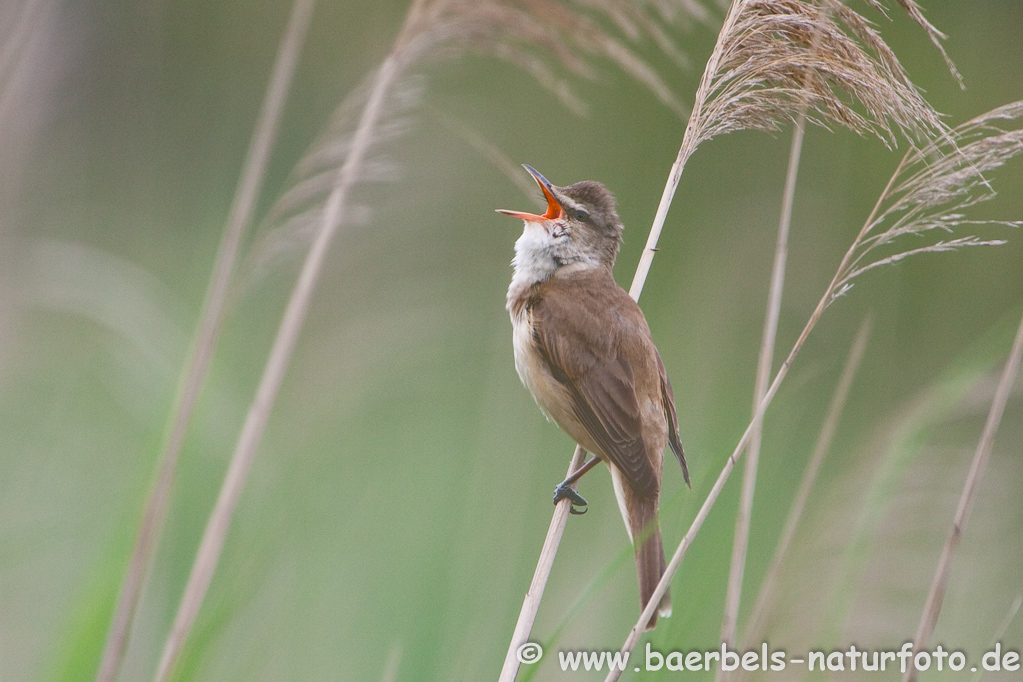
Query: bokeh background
point(395, 513)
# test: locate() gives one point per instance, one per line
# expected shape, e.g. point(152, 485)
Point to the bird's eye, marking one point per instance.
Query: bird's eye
point(581, 214)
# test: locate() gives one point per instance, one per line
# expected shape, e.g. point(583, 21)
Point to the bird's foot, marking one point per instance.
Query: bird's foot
point(562, 491)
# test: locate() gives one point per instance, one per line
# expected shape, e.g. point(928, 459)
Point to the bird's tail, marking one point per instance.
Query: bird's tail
point(649, 548)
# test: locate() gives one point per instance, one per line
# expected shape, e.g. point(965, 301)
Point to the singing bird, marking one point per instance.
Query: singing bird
point(584, 350)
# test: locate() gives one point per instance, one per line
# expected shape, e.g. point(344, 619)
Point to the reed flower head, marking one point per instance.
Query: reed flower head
point(931, 190)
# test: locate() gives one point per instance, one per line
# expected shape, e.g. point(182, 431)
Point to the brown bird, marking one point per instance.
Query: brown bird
point(584, 350)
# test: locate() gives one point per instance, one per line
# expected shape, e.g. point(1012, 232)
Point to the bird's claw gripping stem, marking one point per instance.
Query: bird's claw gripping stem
point(562, 491)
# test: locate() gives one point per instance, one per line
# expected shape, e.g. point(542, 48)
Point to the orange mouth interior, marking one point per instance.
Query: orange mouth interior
point(554, 210)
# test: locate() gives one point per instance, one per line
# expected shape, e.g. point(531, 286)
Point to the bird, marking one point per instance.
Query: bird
point(583, 348)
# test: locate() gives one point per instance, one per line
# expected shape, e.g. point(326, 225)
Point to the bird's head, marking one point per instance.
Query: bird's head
point(581, 228)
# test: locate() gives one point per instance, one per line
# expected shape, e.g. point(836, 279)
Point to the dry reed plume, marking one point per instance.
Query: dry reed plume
point(778, 56)
point(931, 188)
point(778, 60)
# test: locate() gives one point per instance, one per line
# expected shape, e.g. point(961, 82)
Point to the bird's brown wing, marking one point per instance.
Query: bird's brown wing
point(668, 398)
point(588, 362)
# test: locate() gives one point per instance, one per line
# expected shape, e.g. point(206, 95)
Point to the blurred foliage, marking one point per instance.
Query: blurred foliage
point(403, 488)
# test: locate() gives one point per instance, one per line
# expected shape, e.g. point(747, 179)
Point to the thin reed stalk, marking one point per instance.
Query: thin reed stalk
point(690, 142)
point(770, 334)
point(498, 159)
point(393, 664)
point(197, 365)
point(939, 584)
point(244, 455)
point(531, 603)
point(14, 44)
point(820, 450)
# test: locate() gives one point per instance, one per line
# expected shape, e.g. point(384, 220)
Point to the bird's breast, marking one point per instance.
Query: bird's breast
point(528, 363)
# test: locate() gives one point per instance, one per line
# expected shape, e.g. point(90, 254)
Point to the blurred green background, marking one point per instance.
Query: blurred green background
point(402, 491)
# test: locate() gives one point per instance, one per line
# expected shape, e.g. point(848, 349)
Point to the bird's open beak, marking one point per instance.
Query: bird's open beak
point(554, 209)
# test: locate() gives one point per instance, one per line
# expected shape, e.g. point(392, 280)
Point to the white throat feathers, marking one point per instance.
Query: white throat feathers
point(540, 254)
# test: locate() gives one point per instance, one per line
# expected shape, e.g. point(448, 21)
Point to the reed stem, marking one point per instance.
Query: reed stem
point(939, 584)
point(205, 340)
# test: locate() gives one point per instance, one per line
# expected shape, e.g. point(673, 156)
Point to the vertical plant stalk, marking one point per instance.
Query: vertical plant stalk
point(690, 140)
point(531, 604)
point(242, 206)
point(213, 538)
point(742, 524)
point(393, 664)
point(764, 598)
point(14, 44)
point(939, 585)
